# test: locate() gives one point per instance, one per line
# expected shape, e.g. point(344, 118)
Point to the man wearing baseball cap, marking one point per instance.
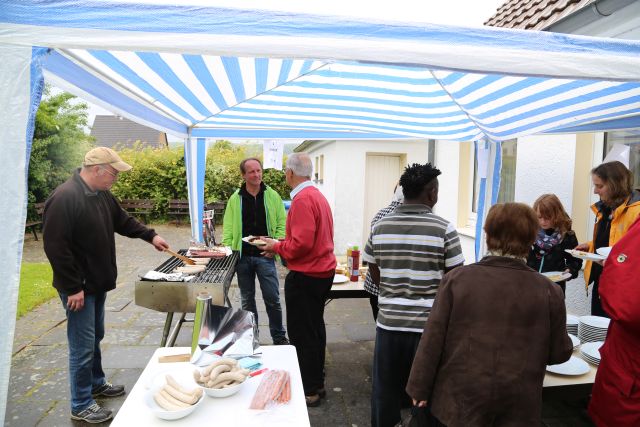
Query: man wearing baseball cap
point(79, 222)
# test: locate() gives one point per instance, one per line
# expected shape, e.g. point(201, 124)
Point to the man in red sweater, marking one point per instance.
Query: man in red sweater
point(308, 251)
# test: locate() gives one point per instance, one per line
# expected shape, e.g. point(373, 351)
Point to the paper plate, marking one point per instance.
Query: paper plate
point(604, 251)
point(573, 366)
point(585, 255)
point(557, 276)
point(340, 278)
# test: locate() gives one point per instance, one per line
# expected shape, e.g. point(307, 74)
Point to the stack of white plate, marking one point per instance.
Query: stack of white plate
point(592, 328)
point(572, 324)
point(591, 352)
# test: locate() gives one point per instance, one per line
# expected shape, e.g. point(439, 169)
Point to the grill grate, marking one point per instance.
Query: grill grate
point(218, 270)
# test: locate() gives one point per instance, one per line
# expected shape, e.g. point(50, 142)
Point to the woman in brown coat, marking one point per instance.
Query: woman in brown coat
point(494, 327)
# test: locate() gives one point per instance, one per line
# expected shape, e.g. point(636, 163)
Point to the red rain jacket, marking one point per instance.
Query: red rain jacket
point(615, 399)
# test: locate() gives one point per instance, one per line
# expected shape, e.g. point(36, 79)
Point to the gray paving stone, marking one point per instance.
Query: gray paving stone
point(26, 415)
point(127, 356)
point(56, 335)
point(124, 335)
point(144, 317)
point(335, 333)
point(120, 318)
point(59, 416)
point(360, 332)
point(37, 358)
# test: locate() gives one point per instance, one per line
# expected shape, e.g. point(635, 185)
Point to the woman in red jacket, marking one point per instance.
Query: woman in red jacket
point(615, 399)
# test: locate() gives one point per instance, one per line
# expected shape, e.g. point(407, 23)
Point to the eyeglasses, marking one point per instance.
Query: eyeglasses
point(107, 170)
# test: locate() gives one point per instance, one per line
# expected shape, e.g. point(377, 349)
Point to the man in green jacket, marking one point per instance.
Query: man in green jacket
point(256, 209)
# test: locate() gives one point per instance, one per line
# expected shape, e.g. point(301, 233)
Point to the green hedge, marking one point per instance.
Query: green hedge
point(159, 174)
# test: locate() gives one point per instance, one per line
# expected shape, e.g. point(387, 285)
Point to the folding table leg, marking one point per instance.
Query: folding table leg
point(167, 328)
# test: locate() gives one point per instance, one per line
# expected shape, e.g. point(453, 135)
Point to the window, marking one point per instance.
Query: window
point(319, 168)
point(507, 175)
point(632, 139)
point(432, 151)
point(508, 172)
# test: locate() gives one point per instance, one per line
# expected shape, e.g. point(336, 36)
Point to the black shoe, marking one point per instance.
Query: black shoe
point(94, 414)
point(281, 341)
point(108, 390)
point(313, 401)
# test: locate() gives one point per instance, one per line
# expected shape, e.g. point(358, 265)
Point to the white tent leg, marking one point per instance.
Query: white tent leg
point(195, 160)
point(15, 89)
point(489, 154)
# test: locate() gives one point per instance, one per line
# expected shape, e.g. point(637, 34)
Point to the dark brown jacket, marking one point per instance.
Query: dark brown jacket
point(481, 360)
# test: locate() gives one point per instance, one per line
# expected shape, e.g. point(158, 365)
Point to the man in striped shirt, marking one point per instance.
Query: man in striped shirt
point(408, 252)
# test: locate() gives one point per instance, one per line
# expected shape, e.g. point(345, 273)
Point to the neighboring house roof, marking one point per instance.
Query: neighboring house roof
point(534, 14)
point(110, 131)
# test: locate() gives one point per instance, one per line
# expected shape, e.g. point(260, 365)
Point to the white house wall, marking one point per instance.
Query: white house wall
point(344, 174)
point(545, 164)
point(447, 160)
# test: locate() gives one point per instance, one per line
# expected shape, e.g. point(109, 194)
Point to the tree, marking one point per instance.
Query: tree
point(59, 143)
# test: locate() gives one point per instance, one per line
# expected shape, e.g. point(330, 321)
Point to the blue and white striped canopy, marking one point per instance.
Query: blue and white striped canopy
point(228, 73)
point(240, 97)
point(208, 71)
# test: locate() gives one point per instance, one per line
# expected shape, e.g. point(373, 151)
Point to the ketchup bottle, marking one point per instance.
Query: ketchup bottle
point(354, 271)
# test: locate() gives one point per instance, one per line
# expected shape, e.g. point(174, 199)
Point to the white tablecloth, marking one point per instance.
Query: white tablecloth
point(230, 411)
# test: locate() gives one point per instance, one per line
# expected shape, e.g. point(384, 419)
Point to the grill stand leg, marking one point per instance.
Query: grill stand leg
point(176, 330)
point(167, 328)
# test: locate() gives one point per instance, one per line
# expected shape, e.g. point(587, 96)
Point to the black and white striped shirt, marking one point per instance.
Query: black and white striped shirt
point(369, 286)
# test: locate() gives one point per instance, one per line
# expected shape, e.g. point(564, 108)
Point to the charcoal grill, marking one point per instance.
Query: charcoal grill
point(180, 297)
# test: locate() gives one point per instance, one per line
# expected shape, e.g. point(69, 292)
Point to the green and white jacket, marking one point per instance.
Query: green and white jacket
point(232, 222)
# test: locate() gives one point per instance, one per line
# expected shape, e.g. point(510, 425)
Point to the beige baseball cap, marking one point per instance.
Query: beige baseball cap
point(105, 156)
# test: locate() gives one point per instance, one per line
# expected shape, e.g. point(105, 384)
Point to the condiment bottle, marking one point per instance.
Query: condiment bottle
point(354, 264)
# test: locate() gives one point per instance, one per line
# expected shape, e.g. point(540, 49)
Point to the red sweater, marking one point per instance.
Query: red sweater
point(308, 247)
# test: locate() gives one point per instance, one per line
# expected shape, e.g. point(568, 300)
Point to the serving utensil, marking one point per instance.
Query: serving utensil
point(180, 257)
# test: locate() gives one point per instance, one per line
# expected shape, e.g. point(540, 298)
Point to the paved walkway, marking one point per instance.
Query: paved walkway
point(39, 391)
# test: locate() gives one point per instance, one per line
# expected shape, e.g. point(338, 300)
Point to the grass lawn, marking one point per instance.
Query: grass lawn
point(35, 286)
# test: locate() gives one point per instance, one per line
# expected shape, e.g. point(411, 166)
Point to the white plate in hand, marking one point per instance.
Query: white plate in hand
point(573, 366)
point(585, 255)
point(604, 251)
point(340, 278)
point(557, 276)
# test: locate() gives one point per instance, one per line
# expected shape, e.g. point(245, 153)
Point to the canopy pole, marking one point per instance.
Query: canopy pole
point(21, 85)
point(195, 161)
point(489, 158)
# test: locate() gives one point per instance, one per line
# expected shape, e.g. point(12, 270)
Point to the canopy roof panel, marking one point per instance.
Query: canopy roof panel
point(230, 73)
point(240, 97)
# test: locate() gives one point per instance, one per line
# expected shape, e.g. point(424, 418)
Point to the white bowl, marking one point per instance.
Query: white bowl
point(163, 413)
point(223, 392)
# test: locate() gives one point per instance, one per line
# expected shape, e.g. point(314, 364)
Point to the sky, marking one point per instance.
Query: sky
point(470, 13)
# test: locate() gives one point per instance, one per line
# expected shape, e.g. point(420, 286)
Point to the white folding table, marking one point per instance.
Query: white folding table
point(229, 411)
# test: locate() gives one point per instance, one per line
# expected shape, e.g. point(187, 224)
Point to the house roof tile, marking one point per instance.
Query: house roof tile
point(534, 14)
point(115, 131)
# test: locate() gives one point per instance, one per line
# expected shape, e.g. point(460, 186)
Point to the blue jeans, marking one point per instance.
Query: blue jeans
point(265, 268)
point(392, 359)
point(85, 330)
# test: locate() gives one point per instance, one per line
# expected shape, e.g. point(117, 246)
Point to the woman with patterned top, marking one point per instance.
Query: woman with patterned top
point(548, 252)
